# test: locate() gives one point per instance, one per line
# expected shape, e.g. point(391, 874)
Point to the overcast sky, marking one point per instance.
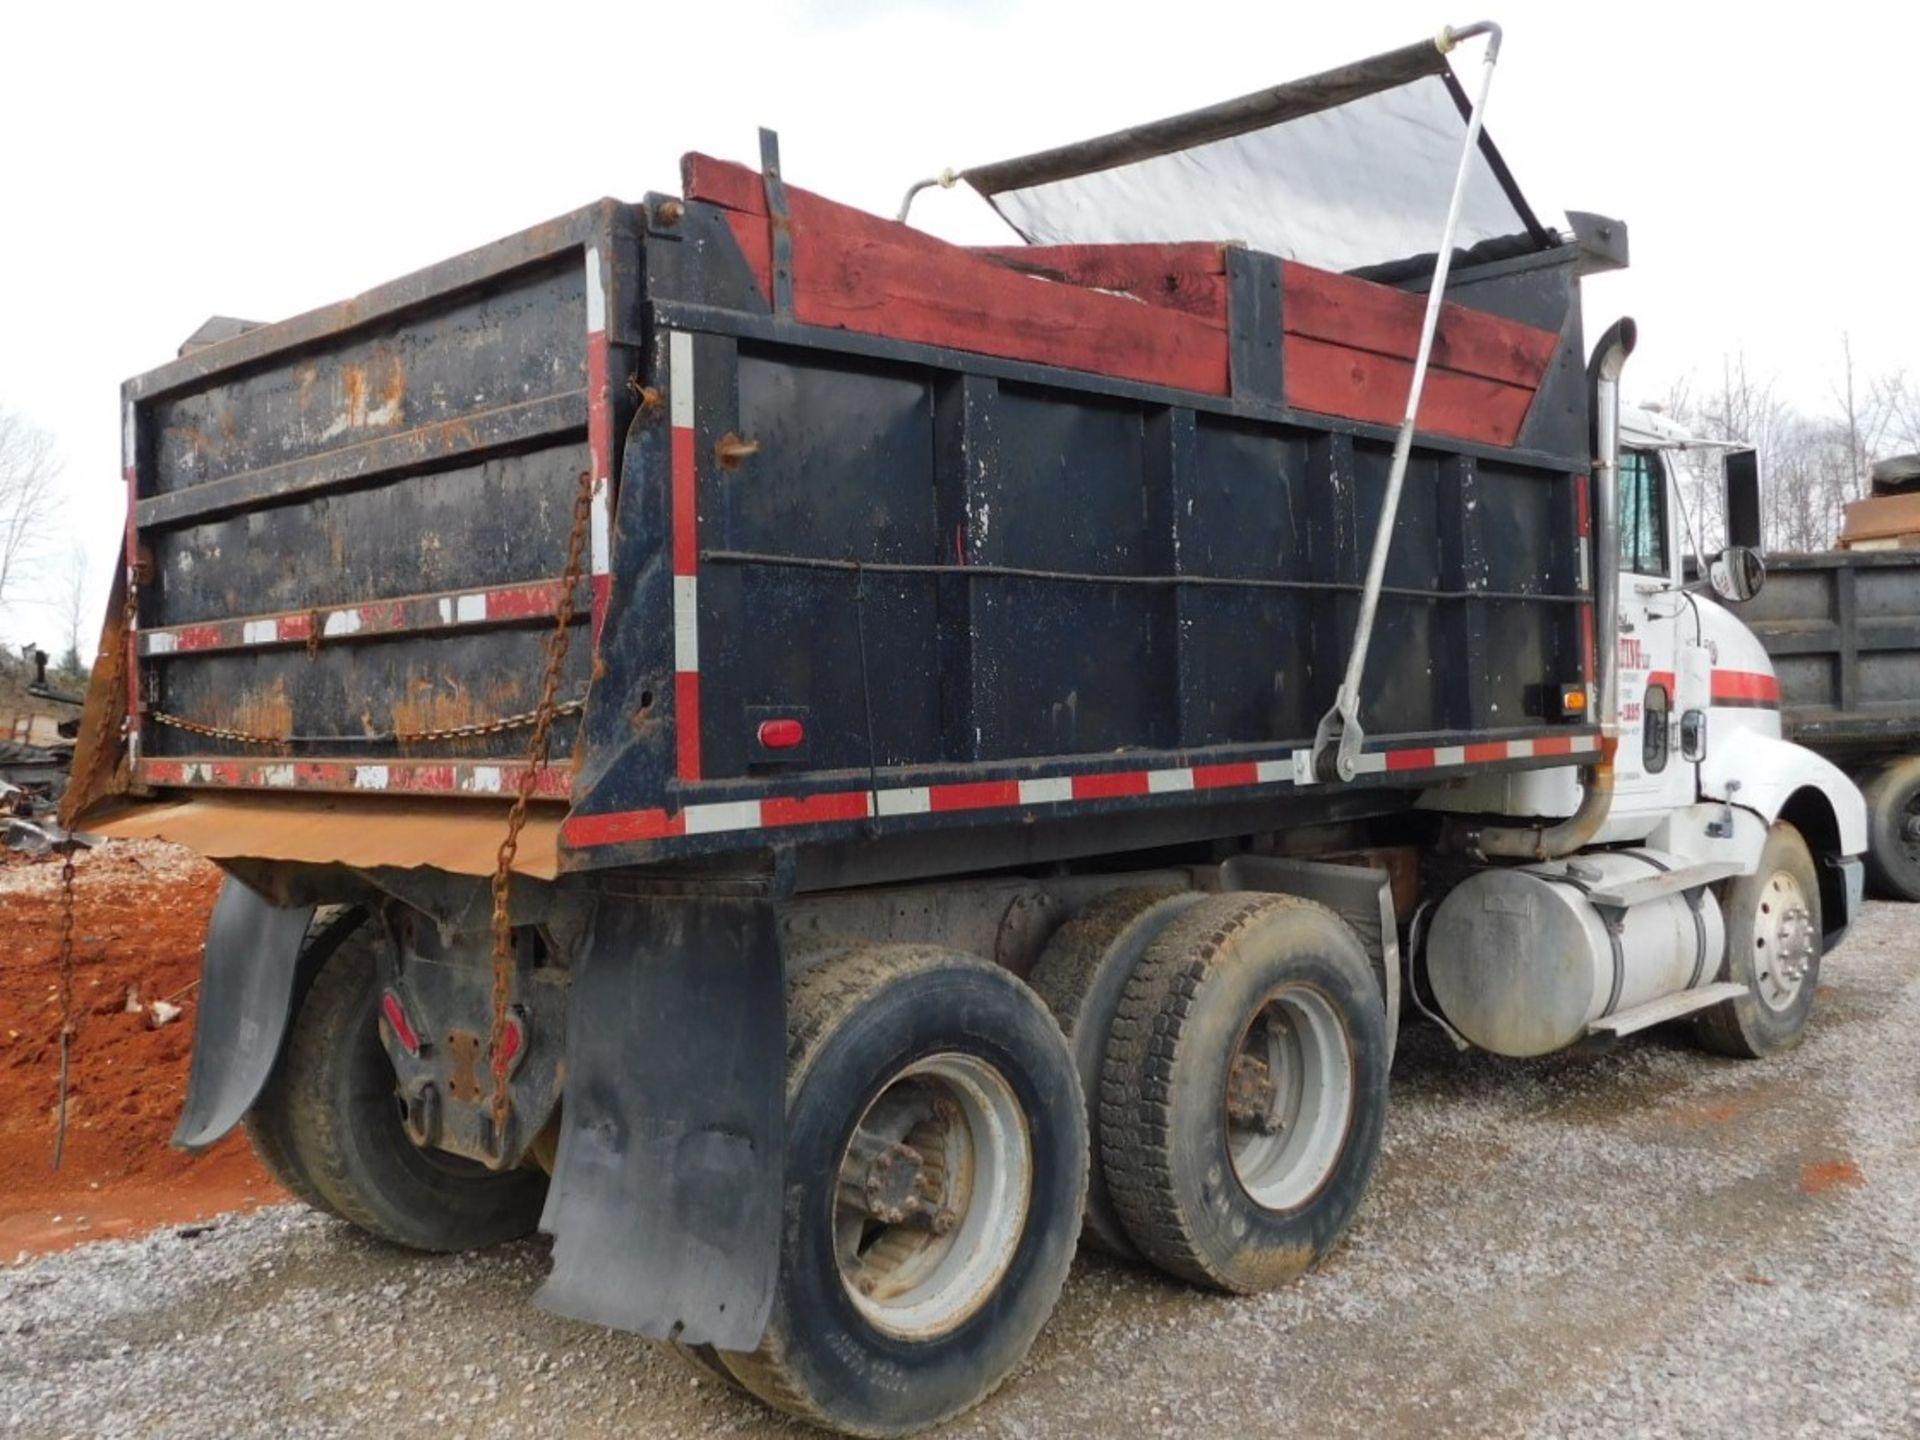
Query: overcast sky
point(168, 162)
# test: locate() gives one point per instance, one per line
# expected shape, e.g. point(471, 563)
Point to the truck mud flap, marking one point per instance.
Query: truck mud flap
point(246, 995)
point(666, 1196)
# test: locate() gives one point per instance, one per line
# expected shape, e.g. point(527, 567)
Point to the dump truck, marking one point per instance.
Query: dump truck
point(1842, 629)
point(819, 766)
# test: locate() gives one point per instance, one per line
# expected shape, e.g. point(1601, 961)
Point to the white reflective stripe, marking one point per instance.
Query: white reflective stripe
point(596, 293)
point(1046, 792)
point(1166, 782)
point(469, 609)
point(1274, 772)
point(1519, 749)
point(602, 529)
point(680, 378)
point(1449, 755)
point(369, 777)
point(160, 642)
point(1372, 764)
point(910, 800)
point(485, 778)
point(343, 622)
point(732, 815)
point(259, 632)
point(445, 607)
point(686, 622)
point(128, 445)
point(276, 775)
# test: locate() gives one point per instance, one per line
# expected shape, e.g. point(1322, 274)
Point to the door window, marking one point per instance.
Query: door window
point(1643, 514)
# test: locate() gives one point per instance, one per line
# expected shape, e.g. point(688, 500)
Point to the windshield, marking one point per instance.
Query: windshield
point(1349, 170)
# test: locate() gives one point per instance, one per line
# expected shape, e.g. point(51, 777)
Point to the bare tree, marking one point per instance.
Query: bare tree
point(1898, 398)
point(75, 663)
point(27, 499)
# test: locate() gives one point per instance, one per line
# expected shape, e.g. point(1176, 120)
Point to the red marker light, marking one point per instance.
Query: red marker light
point(782, 734)
point(396, 1015)
point(513, 1044)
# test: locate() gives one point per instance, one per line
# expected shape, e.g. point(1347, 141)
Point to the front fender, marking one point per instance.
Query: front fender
point(246, 994)
point(1762, 773)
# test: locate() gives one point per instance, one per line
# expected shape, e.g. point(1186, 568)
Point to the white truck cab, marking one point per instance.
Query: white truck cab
point(1708, 797)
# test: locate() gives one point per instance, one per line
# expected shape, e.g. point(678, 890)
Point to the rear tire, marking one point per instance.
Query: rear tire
point(1245, 1092)
point(1893, 829)
point(343, 1127)
point(1773, 948)
point(1081, 976)
point(930, 1079)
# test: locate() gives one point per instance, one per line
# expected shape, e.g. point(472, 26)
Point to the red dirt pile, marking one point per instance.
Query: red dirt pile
point(140, 917)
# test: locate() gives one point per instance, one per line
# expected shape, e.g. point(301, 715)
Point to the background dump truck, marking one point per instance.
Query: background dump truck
point(993, 735)
point(1843, 631)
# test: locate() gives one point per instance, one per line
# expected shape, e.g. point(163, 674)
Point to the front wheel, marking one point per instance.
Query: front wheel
point(936, 1167)
point(1773, 948)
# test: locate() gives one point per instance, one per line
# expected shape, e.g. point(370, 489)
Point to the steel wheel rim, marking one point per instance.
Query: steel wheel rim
point(933, 1193)
point(1290, 1098)
point(1784, 945)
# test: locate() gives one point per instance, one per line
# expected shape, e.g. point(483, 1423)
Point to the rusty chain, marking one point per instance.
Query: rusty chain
point(495, 726)
point(548, 710)
point(66, 998)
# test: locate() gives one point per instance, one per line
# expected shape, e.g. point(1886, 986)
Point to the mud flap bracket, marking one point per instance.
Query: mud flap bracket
point(246, 996)
point(666, 1197)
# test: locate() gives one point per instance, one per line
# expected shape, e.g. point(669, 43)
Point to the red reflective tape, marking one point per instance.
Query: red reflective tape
point(686, 722)
point(602, 594)
point(1748, 686)
point(974, 795)
point(599, 406)
point(1660, 677)
point(623, 827)
point(813, 809)
point(1589, 650)
point(197, 637)
point(1554, 745)
point(686, 520)
point(1410, 759)
point(296, 627)
point(421, 777)
point(133, 637)
point(1483, 753)
point(1583, 504)
point(1217, 777)
point(523, 602)
point(1108, 787)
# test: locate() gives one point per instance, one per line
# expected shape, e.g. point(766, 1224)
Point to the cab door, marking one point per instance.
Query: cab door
point(1656, 621)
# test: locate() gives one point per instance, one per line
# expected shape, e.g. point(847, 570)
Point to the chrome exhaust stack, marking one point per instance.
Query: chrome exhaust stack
point(1547, 842)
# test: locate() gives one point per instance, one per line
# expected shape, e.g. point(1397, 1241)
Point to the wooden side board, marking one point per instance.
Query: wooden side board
point(1152, 313)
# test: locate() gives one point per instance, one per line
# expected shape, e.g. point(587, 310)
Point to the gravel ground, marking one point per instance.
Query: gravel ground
point(1651, 1243)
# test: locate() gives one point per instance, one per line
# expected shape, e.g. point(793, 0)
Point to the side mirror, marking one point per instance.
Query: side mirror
point(1740, 470)
point(1738, 574)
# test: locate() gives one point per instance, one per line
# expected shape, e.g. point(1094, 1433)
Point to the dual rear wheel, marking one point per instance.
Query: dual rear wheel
point(938, 1136)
